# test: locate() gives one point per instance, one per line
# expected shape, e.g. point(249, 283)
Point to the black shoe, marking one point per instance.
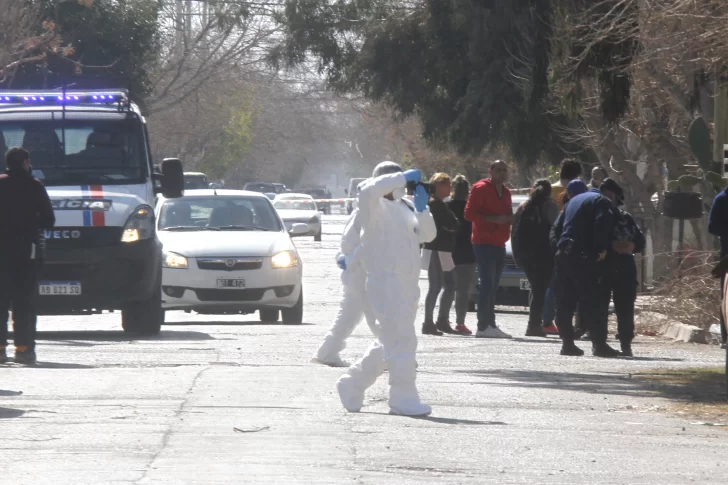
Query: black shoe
point(429, 328)
point(569, 348)
point(3, 356)
point(535, 331)
point(627, 349)
point(25, 357)
point(605, 351)
point(445, 327)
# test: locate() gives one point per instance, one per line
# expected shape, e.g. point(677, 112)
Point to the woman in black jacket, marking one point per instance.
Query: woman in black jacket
point(458, 281)
point(439, 252)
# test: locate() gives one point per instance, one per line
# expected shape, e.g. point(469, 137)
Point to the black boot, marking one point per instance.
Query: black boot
point(604, 351)
point(569, 348)
point(445, 327)
point(535, 331)
point(626, 349)
point(429, 328)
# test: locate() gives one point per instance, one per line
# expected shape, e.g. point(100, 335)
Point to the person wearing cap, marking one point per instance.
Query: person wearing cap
point(627, 240)
point(582, 236)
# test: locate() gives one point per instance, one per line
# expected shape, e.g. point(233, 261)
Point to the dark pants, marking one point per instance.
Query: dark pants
point(539, 273)
point(580, 281)
point(622, 279)
point(491, 260)
point(457, 287)
point(723, 331)
point(19, 290)
point(436, 278)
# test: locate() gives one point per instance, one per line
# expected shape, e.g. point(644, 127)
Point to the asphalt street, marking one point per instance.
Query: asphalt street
point(232, 401)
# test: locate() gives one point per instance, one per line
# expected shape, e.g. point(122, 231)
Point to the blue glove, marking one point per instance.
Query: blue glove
point(341, 262)
point(413, 175)
point(421, 199)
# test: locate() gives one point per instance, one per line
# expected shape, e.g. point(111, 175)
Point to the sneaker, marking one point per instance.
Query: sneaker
point(429, 328)
point(3, 356)
point(25, 357)
point(417, 410)
point(492, 332)
point(627, 349)
point(570, 349)
point(445, 327)
point(605, 351)
point(585, 336)
point(335, 361)
point(551, 329)
point(535, 331)
point(463, 330)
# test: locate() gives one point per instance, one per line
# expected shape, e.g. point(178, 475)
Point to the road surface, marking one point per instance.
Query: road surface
point(232, 401)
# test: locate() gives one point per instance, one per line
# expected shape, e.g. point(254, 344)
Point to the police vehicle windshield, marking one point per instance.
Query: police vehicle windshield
point(192, 213)
point(108, 151)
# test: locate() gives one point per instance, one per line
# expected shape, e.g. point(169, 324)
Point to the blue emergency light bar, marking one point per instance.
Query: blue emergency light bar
point(62, 97)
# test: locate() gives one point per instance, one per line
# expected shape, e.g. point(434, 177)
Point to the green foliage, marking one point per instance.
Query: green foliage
point(701, 143)
point(234, 143)
point(111, 43)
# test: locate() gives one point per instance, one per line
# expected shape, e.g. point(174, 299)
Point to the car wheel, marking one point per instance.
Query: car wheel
point(294, 315)
point(317, 237)
point(269, 315)
point(145, 317)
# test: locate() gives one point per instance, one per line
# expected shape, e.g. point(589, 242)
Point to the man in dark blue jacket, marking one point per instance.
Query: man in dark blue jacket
point(627, 240)
point(581, 243)
point(718, 226)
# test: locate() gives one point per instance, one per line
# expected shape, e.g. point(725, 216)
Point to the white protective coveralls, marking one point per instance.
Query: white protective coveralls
point(354, 304)
point(390, 251)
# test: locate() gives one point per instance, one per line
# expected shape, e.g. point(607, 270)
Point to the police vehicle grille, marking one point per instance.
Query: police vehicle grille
point(237, 264)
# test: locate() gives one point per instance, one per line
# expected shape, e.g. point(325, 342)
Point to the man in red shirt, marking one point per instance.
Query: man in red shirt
point(491, 213)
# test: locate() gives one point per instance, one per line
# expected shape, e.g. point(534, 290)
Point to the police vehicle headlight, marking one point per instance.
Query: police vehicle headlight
point(174, 261)
point(139, 226)
point(285, 259)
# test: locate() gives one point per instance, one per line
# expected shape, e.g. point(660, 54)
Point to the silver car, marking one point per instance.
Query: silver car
point(299, 208)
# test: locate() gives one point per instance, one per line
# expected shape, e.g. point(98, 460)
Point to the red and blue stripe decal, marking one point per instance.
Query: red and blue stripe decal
point(93, 218)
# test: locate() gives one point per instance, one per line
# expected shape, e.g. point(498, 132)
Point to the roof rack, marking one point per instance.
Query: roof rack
point(116, 97)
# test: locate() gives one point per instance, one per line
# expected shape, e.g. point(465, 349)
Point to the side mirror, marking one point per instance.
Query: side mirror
point(172, 179)
point(298, 229)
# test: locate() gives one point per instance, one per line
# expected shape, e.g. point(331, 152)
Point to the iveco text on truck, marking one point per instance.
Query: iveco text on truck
point(91, 151)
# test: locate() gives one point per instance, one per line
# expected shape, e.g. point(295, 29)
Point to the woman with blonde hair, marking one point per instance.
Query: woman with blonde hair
point(437, 255)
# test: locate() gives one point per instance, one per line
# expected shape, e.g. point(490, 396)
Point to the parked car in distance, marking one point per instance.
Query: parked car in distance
point(228, 252)
point(319, 193)
point(260, 187)
point(514, 287)
point(299, 209)
point(195, 180)
point(353, 192)
point(271, 195)
point(280, 188)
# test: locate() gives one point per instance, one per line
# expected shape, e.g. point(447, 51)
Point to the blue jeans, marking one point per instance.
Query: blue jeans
point(548, 308)
point(491, 260)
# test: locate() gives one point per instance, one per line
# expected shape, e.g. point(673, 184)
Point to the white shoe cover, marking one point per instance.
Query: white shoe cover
point(351, 397)
point(411, 409)
point(332, 361)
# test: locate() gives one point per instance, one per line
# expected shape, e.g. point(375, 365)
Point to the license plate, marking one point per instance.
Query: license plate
point(525, 285)
point(59, 288)
point(233, 283)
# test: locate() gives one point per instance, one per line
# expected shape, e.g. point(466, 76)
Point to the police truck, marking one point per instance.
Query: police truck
point(91, 151)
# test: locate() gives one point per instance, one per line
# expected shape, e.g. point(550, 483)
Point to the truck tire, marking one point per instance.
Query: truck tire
point(269, 315)
point(294, 315)
point(144, 317)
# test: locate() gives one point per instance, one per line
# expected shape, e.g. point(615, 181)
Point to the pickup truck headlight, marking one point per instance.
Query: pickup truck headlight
point(174, 261)
point(285, 259)
point(139, 226)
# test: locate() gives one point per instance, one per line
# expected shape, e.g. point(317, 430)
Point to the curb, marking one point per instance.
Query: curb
point(681, 332)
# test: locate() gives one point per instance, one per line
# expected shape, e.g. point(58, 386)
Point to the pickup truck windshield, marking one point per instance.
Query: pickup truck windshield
point(79, 151)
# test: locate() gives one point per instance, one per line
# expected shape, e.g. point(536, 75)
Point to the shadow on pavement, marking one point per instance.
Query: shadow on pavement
point(634, 385)
point(6, 393)
point(231, 323)
point(9, 413)
point(59, 365)
point(72, 336)
point(435, 419)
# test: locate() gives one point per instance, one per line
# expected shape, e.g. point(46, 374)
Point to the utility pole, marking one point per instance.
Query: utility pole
point(720, 123)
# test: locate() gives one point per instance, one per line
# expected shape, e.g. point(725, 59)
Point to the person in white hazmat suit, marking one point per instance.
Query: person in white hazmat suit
point(392, 231)
point(353, 304)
